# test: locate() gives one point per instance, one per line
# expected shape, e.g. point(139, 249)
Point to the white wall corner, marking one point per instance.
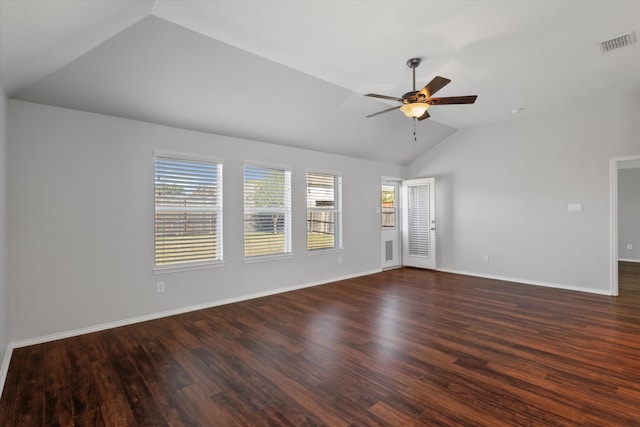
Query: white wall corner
point(4, 369)
point(516, 280)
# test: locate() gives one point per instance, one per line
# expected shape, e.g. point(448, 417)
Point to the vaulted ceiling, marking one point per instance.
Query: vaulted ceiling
point(294, 73)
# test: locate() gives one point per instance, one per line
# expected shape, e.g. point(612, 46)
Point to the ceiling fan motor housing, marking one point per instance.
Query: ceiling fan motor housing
point(413, 96)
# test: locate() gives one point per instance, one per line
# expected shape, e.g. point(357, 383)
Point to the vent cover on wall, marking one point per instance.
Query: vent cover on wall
point(620, 41)
point(388, 250)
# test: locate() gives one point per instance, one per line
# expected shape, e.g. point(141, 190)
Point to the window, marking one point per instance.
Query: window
point(188, 211)
point(388, 206)
point(324, 211)
point(418, 220)
point(267, 211)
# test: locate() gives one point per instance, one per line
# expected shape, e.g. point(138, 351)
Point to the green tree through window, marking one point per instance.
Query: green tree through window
point(267, 211)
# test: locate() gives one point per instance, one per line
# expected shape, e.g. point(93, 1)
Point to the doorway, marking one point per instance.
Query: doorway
point(390, 223)
point(419, 223)
point(625, 231)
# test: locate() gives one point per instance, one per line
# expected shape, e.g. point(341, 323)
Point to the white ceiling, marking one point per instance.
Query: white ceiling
point(293, 73)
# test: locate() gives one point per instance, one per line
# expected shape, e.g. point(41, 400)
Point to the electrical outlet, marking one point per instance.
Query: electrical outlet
point(160, 287)
point(485, 258)
point(629, 247)
point(339, 260)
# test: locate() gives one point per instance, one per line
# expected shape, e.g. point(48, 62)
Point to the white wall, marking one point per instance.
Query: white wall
point(4, 293)
point(80, 201)
point(629, 214)
point(503, 191)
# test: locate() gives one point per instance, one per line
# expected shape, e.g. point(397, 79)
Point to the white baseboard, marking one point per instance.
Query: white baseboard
point(528, 282)
point(104, 326)
point(628, 260)
point(153, 316)
point(4, 369)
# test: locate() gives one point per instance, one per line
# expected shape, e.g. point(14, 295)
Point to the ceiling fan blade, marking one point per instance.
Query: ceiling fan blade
point(434, 85)
point(452, 100)
point(375, 95)
point(424, 115)
point(384, 111)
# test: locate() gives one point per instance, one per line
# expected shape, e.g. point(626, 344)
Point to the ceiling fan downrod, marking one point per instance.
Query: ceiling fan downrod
point(413, 63)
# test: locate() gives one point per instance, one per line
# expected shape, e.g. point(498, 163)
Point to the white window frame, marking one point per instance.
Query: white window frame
point(217, 209)
point(337, 211)
point(286, 209)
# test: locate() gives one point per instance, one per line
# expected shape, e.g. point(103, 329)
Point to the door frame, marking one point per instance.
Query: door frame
point(431, 258)
point(614, 166)
point(386, 180)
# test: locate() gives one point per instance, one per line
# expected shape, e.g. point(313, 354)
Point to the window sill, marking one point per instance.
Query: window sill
point(166, 269)
point(324, 251)
point(266, 258)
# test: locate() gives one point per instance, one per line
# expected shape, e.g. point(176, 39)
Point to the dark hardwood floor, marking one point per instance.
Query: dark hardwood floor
point(400, 348)
point(629, 278)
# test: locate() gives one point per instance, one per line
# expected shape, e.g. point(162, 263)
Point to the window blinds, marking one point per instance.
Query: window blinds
point(188, 211)
point(418, 215)
point(324, 211)
point(267, 211)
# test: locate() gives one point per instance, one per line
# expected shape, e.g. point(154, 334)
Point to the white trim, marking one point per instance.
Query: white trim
point(175, 268)
point(153, 316)
point(267, 258)
point(337, 211)
point(324, 251)
point(615, 164)
point(430, 259)
point(397, 229)
point(5, 366)
point(629, 162)
point(264, 165)
point(323, 171)
point(218, 209)
point(628, 260)
point(186, 156)
point(613, 227)
point(527, 282)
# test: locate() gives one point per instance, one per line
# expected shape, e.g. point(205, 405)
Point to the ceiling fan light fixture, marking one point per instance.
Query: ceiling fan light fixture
point(415, 109)
point(416, 102)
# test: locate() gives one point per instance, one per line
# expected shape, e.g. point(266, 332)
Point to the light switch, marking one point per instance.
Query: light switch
point(574, 207)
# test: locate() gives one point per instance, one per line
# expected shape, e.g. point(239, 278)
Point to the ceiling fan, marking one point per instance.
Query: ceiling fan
point(415, 103)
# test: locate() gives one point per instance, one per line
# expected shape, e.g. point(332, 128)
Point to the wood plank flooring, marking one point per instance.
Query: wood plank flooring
point(629, 278)
point(400, 348)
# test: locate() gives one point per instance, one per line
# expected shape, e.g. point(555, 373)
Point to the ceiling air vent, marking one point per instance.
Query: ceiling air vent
point(620, 41)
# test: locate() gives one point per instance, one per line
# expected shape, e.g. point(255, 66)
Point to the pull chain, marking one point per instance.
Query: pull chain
point(415, 138)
